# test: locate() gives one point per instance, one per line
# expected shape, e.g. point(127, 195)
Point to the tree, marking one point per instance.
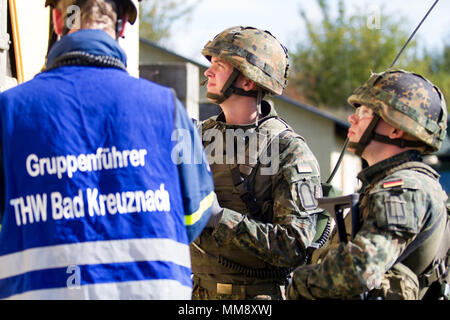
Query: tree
point(436, 67)
point(157, 16)
point(340, 53)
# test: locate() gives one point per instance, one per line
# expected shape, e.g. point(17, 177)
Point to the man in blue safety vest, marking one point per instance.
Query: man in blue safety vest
point(97, 202)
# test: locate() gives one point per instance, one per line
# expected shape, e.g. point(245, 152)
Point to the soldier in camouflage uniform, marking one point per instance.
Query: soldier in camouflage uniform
point(400, 250)
point(265, 215)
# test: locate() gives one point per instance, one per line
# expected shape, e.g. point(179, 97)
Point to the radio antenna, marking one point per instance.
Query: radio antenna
point(412, 34)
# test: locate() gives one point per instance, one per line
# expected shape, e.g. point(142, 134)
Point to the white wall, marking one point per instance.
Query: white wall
point(33, 26)
point(345, 178)
point(321, 137)
point(131, 46)
point(318, 131)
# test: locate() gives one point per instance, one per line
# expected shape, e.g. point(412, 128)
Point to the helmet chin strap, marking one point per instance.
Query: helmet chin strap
point(370, 135)
point(228, 89)
point(366, 137)
point(259, 97)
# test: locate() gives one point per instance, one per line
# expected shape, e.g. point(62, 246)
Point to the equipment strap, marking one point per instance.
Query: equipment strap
point(398, 142)
point(240, 182)
point(420, 239)
point(437, 269)
point(244, 193)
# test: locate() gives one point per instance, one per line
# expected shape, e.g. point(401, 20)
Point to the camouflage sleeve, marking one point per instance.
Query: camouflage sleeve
point(291, 227)
point(348, 270)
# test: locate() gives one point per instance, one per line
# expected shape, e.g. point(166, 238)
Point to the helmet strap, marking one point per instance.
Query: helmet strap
point(229, 88)
point(370, 135)
point(241, 92)
point(366, 137)
point(226, 90)
point(402, 143)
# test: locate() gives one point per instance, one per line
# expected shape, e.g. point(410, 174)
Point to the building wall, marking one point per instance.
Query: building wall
point(130, 44)
point(318, 131)
point(181, 76)
point(150, 55)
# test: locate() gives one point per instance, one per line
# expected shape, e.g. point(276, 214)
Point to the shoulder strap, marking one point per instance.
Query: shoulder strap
point(240, 182)
point(280, 133)
point(429, 233)
point(428, 264)
point(244, 193)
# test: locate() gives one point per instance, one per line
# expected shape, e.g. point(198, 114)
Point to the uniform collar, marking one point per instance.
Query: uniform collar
point(378, 171)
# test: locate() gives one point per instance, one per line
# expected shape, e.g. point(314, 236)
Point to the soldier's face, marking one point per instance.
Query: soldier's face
point(359, 121)
point(217, 74)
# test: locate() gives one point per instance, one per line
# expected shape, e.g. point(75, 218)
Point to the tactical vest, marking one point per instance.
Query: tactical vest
point(426, 260)
point(228, 263)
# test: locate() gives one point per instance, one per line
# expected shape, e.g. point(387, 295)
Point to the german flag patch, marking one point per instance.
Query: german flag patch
point(391, 184)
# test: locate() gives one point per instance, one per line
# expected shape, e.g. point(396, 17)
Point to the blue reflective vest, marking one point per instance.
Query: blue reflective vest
point(94, 205)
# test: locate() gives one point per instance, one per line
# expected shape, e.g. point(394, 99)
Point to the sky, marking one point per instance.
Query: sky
point(282, 19)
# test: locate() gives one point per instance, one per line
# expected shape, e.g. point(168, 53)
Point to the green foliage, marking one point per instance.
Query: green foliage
point(157, 16)
point(436, 67)
point(340, 53)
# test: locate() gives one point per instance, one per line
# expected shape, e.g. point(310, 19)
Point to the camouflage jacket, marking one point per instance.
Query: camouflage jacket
point(396, 207)
point(275, 235)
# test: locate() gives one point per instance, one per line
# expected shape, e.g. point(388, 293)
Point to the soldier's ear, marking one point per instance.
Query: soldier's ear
point(246, 83)
point(58, 22)
point(395, 133)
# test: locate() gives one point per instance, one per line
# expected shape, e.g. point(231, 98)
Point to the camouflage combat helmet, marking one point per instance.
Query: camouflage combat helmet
point(131, 7)
point(406, 101)
point(255, 53)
